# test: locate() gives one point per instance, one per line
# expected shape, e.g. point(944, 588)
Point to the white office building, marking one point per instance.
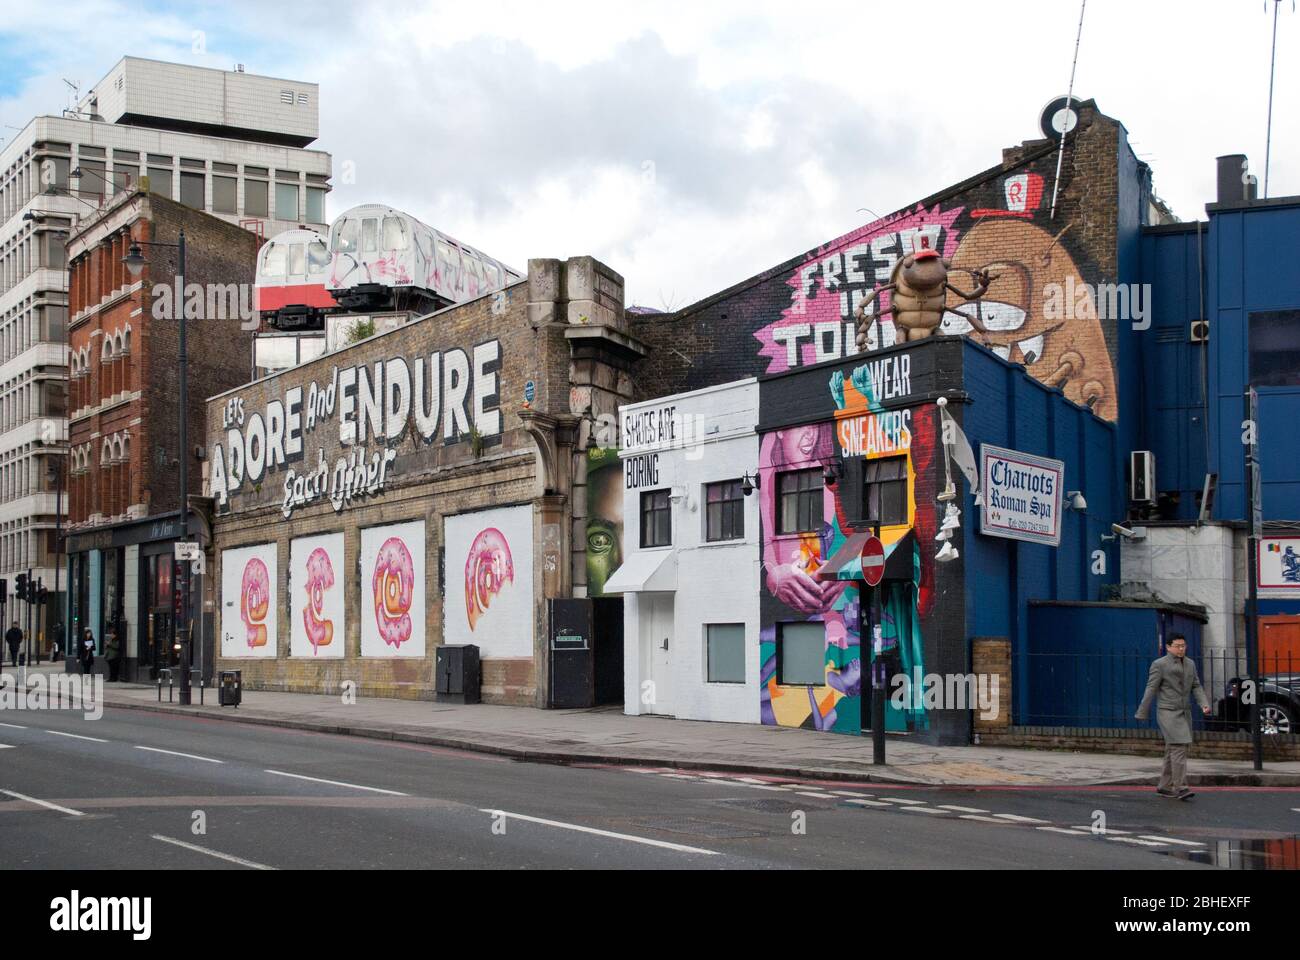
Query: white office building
point(227, 142)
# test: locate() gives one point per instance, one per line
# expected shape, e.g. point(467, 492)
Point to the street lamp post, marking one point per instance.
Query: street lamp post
point(135, 262)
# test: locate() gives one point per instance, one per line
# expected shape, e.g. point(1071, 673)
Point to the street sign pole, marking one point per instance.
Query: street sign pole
point(873, 572)
point(1255, 515)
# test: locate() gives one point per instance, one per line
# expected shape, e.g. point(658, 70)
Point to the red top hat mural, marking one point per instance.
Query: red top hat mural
point(1024, 192)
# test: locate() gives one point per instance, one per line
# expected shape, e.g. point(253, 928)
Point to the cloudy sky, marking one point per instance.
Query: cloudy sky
point(693, 144)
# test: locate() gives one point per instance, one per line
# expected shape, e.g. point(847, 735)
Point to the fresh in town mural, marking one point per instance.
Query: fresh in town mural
point(604, 517)
point(488, 600)
point(1028, 261)
point(316, 608)
point(392, 591)
point(249, 601)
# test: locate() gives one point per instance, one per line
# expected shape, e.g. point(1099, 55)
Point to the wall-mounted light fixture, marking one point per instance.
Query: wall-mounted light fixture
point(832, 472)
point(749, 483)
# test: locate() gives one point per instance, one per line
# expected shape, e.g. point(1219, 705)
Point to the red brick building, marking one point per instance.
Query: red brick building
point(123, 338)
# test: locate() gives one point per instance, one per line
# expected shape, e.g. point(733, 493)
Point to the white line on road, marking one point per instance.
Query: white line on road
point(819, 796)
point(941, 813)
point(43, 803)
point(869, 803)
point(910, 803)
point(76, 736)
point(974, 816)
point(336, 783)
point(1140, 843)
point(12, 726)
point(6, 746)
point(1068, 833)
point(760, 786)
point(949, 806)
point(852, 793)
point(1016, 818)
point(213, 853)
point(1105, 831)
point(602, 833)
point(176, 753)
point(1185, 843)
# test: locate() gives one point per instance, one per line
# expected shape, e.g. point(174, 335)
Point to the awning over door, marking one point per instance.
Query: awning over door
point(644, 572)
point(846, 562)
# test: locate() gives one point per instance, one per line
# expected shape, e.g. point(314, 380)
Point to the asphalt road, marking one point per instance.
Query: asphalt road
point(128, 791)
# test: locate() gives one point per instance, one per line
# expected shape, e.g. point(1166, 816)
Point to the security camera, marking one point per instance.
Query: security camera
point(1136, 533)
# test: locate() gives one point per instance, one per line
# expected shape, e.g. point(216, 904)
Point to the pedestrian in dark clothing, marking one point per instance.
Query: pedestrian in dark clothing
point(1171, 681)
point(112, 653)
point(87, 652)
point(13, 640)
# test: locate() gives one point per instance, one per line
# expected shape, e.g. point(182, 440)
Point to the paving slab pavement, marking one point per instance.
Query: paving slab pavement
point(606, 735)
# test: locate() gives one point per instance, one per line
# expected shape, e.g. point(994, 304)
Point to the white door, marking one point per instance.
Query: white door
point(657, 638)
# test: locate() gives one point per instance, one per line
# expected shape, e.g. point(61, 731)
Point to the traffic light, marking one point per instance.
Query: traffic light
point(20, 587)
point(4, 590)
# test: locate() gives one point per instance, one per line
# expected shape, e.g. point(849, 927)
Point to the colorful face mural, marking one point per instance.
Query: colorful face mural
point(392, 578)
point(800, 585)
point(488, 570)
point(604, 518)
point(317, 611)
point(1039, 310)
point(494, 610)
point(249, 601)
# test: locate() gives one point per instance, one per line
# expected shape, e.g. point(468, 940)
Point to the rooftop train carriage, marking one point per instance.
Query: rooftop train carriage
point(289, 292)
point(383, 259)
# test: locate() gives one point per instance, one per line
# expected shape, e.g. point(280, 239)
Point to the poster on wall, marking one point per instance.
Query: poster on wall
point(392, 590)
point(489, 594)
point(316, 608)
point(249, 602)
point(604, 517)
point(1279, 565)
point(1022, 495)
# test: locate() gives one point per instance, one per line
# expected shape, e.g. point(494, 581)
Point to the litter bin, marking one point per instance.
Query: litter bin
point(231, 690)
point(457, 674)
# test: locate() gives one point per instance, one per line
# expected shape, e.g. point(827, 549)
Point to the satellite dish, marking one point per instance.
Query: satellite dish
point(1060, 115)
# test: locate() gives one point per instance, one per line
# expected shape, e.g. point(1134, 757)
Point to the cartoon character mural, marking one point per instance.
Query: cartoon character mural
point(604, 517)
point(392, 582)
point(1030, 264)
point(800, 584)
point(492, 607)
point(317, 610)
point(249, 601)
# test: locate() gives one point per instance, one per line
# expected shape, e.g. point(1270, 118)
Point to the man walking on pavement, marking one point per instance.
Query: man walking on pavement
point(1171, 680)
point(14, 640)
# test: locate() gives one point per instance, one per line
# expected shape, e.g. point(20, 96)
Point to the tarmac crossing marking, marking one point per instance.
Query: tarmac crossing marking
point(336, 783)
point(213, 853)
point(43, 803)
point(663, 844)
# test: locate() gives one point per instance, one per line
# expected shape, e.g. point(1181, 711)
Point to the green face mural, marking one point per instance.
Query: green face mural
point(604, 518)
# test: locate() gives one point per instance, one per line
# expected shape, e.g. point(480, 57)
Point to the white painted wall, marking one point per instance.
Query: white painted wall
point(715, 440)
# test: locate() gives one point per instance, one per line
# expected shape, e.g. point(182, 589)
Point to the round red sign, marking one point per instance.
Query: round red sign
point(873, 561)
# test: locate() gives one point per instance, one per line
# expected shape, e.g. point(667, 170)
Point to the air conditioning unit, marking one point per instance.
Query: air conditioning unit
point(1199, 331)
point(1142, 477)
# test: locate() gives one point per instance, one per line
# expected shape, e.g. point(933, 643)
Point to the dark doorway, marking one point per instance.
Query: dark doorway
point(608, 631)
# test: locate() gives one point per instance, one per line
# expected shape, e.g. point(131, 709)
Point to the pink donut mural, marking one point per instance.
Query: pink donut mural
point(488, 568)
point(320, 577)
point(255, 601)
point(394, 585)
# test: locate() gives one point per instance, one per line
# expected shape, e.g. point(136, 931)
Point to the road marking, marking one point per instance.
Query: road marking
point(910, 803)
point(1141, 843)
point(678, 776)
point(76, 736)
point(602, 833)
point(43, 803)
point(336, 783)
point(1016, 818)
point(1106, 831)
point(762, 786)
point(6, 746)
point(941, 813)
point(870, 803)
point(1185, 843)
point(12, 726)
point(852, 793)
point(213, 853)
point(1067, 832)
point(176, 753)
point(819, 796)
point(972, 816)
point(948, 806)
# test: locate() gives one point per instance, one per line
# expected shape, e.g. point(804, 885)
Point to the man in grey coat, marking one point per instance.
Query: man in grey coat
point(1171, 680)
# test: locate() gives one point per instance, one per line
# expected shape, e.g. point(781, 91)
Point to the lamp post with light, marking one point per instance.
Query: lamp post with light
point(135, 261)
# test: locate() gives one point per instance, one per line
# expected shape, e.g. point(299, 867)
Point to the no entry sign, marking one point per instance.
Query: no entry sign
point(873, 561)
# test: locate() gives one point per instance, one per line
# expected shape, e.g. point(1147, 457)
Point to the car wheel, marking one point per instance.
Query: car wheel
point(1276, 718)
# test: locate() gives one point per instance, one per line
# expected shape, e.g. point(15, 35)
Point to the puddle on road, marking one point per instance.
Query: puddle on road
point(1279, 854)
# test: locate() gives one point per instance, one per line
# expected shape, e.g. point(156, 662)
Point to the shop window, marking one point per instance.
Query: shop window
point(799, 501)
point(656, 519)
point(801, 653)
point(724, 511)
point(725, 652)
point(885, 489)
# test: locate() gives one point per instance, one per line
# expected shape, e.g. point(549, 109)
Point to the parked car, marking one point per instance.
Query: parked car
point(1279, 705)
